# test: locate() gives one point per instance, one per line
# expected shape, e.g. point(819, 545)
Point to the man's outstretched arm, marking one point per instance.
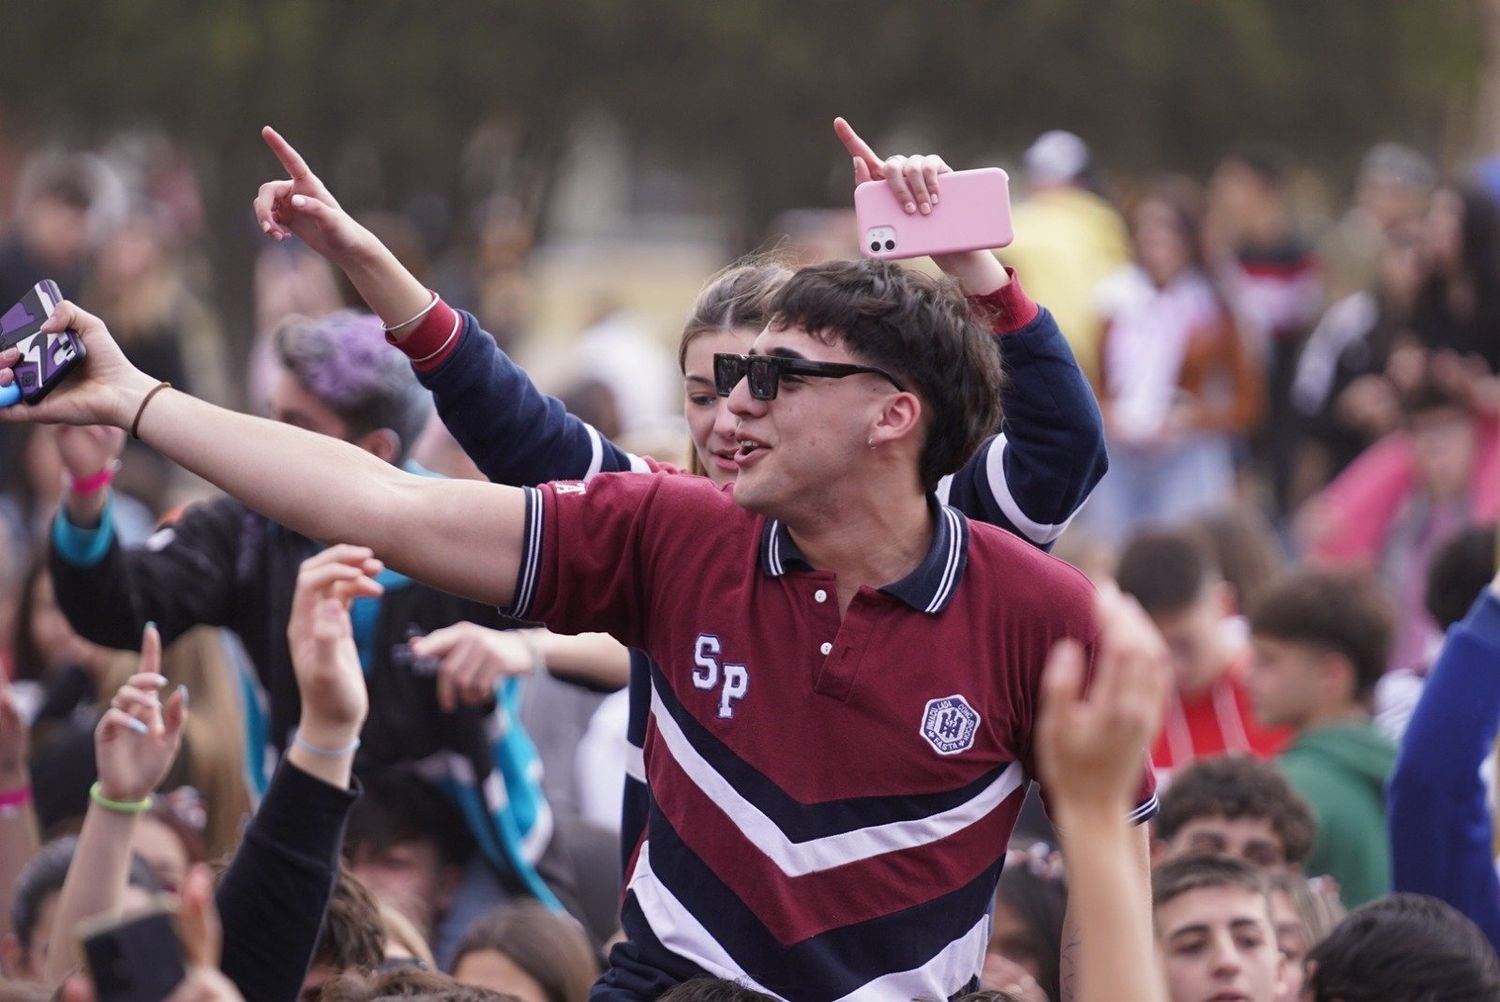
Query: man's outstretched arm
point(458, 536)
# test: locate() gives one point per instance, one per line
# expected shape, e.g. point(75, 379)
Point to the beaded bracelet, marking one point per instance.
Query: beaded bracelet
point(96, 794)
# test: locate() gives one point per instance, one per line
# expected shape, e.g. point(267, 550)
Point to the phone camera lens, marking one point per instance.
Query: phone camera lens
point(890, 245)
point(874, 245)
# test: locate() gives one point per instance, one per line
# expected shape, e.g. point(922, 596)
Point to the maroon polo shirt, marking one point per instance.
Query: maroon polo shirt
point(831, 800)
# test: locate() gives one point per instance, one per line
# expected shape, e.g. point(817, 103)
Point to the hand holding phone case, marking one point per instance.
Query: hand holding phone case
point(45, 358)
point(973, 213)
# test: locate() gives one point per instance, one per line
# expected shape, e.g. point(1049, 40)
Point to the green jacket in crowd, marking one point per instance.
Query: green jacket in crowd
point(1342, 770)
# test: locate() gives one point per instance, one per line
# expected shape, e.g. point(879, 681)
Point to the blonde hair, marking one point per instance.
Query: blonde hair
point(212, 759)
point(738, 296)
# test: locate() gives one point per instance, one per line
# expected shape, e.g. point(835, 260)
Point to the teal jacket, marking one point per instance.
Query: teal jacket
point(1342, 771)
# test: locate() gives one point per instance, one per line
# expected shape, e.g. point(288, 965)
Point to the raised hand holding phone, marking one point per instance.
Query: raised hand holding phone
point(906, 204)
point(904, 217)
point(45, 357)
point(105, 389)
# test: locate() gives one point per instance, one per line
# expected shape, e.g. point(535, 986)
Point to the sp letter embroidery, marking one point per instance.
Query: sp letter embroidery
point(706, 675)
point(950, 724)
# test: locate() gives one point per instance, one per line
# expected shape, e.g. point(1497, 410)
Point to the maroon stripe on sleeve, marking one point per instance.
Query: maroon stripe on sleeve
point(434, 338)
point(1009, 309)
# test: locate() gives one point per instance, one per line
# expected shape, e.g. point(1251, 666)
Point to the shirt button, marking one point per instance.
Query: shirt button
point(820, 595)
point(826, 648)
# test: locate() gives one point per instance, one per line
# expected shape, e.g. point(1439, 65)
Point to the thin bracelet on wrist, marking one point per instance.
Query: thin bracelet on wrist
point(415, 317)
point(96, 794)
point(321, 752)
point(135, 426)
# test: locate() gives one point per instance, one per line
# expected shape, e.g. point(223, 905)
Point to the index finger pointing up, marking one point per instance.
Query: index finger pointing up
point(295, 166)
point(857, 147)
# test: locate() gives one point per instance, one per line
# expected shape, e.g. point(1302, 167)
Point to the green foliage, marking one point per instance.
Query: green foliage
point(741, 90)
point(752, 83)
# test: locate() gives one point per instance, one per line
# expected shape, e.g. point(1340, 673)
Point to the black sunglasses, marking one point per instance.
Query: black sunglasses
point(765, 372)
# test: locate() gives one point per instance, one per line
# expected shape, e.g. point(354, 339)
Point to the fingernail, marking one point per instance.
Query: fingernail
point(299, 201)
point(926, 209)
point(934, 200)
point(911, 207)
point(160, 681)
point(150, 624)
point(184, 690)
point(135, 725)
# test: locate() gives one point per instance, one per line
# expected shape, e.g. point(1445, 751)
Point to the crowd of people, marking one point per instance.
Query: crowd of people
point(1111, 615)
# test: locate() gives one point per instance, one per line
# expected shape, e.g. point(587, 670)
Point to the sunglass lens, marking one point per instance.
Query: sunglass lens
point(764, 375)
point(729, 369)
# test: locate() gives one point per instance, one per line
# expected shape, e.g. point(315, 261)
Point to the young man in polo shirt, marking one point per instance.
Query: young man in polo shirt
point(845, 672)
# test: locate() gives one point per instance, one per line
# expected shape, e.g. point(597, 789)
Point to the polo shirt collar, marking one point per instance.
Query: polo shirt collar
point(929, 588)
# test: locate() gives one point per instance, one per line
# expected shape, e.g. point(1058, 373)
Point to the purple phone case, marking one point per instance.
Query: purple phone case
point(45, 358)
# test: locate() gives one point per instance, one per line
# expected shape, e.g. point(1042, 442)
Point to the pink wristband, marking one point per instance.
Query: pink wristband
point(95, 481)
point(19, 797)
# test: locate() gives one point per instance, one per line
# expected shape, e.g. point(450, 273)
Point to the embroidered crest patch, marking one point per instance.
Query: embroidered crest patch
point(949, 724)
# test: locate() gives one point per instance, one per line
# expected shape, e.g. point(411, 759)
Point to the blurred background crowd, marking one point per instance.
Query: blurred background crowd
point(1270, 232)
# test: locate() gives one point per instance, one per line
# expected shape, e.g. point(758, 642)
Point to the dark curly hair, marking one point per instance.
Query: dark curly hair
point(1238, 786)
point(913, 325)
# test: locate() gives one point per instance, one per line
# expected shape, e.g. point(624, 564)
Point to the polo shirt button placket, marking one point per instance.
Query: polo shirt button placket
point(820, 596)
point(827, 648)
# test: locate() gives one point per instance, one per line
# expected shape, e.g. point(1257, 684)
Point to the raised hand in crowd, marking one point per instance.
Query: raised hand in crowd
point(18, 827)
point(1091, 737)
point(916, 182)
point(473, 659)
point(89, 453)
point(302, 206)
point(134, 746)
point(329, 678)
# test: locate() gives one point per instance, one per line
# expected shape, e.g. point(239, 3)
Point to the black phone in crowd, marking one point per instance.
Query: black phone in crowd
point(135, 960)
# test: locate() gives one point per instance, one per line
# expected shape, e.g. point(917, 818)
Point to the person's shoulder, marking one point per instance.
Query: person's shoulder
point(1026, 574)
point(688, 501)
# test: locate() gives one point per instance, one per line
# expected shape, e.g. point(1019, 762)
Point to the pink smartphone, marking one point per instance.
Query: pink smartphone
point(973, 213)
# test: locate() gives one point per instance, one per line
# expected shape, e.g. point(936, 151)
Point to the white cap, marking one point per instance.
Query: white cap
point(1056, 157)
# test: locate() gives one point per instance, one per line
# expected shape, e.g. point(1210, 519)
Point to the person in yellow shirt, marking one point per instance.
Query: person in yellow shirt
point(1067, 239)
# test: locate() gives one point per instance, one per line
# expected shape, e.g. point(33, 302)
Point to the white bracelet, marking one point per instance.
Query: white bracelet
point(457, 322)
point(420, 314)
point(321, 752)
